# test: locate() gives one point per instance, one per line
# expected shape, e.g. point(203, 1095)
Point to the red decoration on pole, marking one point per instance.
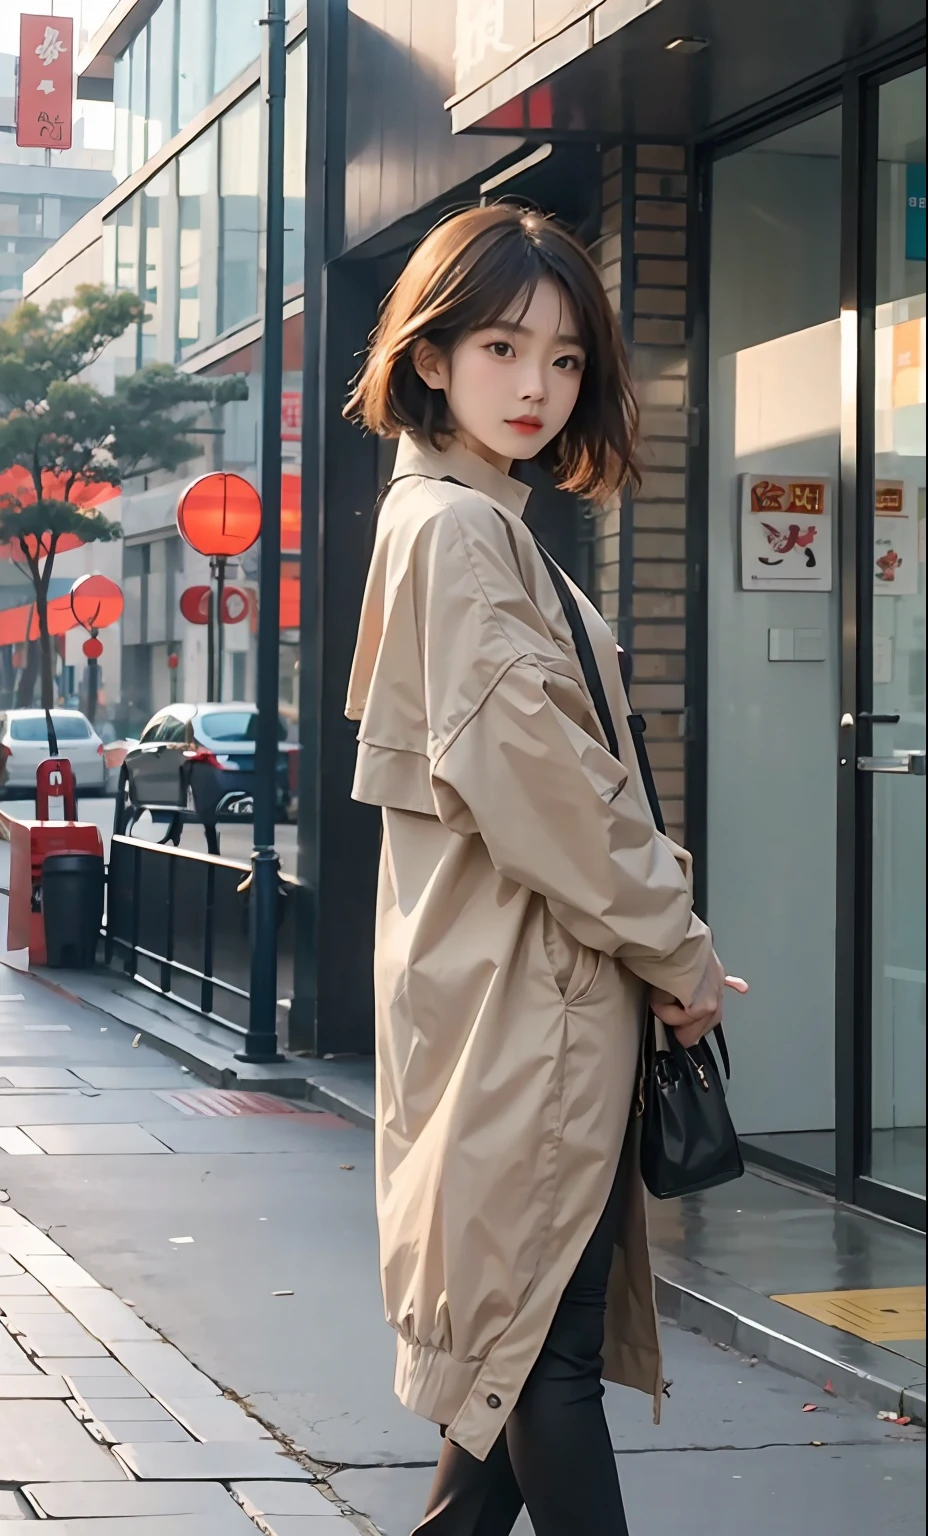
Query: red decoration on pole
point(219, 515)
point(44, 106)
point(173, 661)
point(96, 602)
point(93, 648)
point(194, 605)
point(234, 605)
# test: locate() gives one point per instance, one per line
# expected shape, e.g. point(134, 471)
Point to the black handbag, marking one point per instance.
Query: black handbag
point(688, 1142)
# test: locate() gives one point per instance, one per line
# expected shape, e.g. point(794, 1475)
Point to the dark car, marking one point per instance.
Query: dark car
point(195, 762)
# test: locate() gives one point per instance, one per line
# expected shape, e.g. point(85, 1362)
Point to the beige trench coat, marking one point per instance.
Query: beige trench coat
point(524, 899)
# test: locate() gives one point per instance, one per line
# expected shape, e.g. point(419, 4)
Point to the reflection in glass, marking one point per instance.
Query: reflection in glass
point(138, 100)
point(154, 197)
point(197, 245)
point(239, 212)
point(295, 164)
point(195, 58)
point(121, 130)
point(775, 405)
point(897, 1147)
point(162, 76)
point(238, 40)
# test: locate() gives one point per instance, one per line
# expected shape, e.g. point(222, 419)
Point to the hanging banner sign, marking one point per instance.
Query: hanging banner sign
point(895, 542)
point(44, 106)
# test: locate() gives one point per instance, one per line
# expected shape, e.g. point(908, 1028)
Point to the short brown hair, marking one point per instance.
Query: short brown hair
point(467, 273)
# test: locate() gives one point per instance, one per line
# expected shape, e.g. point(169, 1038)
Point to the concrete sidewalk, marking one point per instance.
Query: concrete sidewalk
point(240, 1227)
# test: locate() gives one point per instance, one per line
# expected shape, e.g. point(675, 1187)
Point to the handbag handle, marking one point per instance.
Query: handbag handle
point(636, 723)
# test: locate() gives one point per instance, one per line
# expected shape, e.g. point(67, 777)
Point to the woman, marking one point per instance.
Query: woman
point(526, 903)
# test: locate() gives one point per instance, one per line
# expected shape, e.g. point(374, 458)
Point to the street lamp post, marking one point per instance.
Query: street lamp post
point(260, 1043)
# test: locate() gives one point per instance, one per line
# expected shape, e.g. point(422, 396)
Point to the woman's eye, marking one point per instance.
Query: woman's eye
point(501, 348)
point(568, 364)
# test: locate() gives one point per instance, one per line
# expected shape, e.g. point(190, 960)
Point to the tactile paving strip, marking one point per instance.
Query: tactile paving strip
point(227, 1102)
point(880, 1316)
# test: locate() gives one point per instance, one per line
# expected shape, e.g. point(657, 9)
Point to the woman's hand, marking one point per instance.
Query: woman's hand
point(706, 1008)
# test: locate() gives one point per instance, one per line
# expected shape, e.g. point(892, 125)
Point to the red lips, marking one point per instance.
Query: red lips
point(525, 424)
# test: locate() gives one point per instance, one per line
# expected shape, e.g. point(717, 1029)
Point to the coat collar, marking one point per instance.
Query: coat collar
point(414, 457)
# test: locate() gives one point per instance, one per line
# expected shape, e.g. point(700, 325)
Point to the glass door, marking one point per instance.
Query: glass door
point(891, 732)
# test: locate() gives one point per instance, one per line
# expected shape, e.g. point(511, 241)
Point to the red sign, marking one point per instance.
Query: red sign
point(291, 416)
point(93, 649)
point(234, 605)
point(96, 602)
point(194, 605)
point(219, 514)
point(46, 74)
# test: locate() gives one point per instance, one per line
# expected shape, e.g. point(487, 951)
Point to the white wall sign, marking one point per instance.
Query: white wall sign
point(895, 542)
point(786, 533)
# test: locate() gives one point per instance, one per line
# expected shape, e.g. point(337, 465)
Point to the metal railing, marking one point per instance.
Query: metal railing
point(179, 923)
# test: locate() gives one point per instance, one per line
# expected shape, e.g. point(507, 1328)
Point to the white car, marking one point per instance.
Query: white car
point(24, 745)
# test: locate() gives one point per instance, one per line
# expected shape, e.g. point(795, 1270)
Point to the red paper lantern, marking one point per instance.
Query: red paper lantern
point(219, 515)
point(93, 649)
point(234, 605)
point(173, 661)
point(96, 602)
point(194, 605)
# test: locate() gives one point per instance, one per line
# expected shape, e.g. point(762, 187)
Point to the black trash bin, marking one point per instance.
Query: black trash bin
point(72, 908)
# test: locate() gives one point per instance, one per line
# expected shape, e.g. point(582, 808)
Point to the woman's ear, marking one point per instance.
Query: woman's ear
point(430, 364)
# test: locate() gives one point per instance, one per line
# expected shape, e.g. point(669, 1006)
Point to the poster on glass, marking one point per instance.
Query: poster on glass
point(786, 533)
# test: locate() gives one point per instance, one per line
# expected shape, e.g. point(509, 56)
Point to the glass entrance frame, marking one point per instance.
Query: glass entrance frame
point(857, 1177)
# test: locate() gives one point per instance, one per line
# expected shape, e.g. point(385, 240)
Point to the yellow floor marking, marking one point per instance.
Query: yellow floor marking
point(880, 1317)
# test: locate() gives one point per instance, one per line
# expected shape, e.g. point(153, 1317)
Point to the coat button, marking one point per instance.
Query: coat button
point(493, 1401)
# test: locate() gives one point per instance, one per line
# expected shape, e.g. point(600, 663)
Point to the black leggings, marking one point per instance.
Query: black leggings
point(555, 1454)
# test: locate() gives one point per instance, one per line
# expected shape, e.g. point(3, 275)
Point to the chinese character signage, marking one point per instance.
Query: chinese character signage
point(895, 542)
point(46, 66)
point(785, 533)
point(915, 213)
point(291, 416)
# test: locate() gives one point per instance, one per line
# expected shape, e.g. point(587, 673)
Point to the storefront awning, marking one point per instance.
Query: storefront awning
point(620, 66)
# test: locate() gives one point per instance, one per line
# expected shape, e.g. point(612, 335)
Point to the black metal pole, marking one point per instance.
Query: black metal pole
point(219, 567)
point(261, 1040)
point(93, 683)
point(210, 648)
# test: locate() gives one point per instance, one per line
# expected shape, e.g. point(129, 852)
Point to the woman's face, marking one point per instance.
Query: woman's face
point(511, 388)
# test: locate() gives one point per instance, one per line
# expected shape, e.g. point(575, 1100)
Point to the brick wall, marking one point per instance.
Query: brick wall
point(640, 556)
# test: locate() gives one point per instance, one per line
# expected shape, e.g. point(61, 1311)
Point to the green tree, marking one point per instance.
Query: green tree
point(60, 437)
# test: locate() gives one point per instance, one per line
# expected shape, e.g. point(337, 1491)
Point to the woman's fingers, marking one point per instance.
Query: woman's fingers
point(737, 984)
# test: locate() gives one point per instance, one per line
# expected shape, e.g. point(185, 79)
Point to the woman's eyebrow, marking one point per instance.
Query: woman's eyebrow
point(516, 328)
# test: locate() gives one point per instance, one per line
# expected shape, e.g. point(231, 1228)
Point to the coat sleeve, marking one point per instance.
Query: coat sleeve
point(551, 805)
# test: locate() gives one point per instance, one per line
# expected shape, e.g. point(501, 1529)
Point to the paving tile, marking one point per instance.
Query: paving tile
point(96, 1140)
point(217, 1460)
point(143, 1432)
point(58, 1336)
point(162, 1076)
point(36, 1386)
point(42, 1077)
point(332, 1524)
point(11, 1218)
point(115, 1501)
point(27, 1241)
point(116, 1383)
point(141, 1409)
point(28, 1306)
point(17, 1143)
point(8, 1265)
point(257, 1135)
point(263, 1499)
point(19, 1286)
point(164, 1371)
point(231, 1522)
point(106, 1316)
point(12, 1507)
point(216, 1418)
point(13, 1360)
point(43, 1442)
point(56, 1273)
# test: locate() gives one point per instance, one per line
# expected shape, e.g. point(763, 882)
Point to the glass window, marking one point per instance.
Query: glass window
point(121, 70)
point(162, 78)
point(197, 193)
point(897, 1142)
point(153, 215)
point(238, 39)
point(295, 164)
point(239, 212)
point(195, 58)
point(138, 100)
point(773, 645)
point(234, 725)
point(34, 727)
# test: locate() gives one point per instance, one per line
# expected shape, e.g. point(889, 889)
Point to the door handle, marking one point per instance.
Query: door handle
point(866, 714)
point(900, 762)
